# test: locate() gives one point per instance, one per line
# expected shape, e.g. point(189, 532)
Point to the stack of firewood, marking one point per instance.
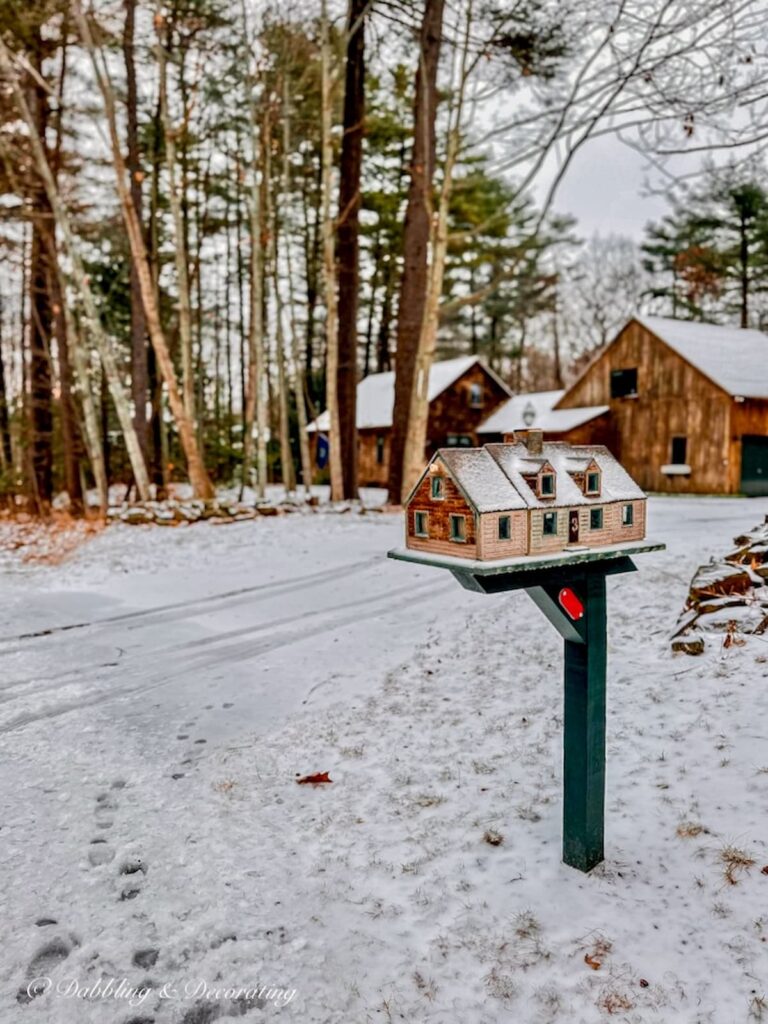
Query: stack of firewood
point(727, 597)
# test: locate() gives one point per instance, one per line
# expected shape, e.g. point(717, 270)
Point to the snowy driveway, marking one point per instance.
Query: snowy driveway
point(160, 691)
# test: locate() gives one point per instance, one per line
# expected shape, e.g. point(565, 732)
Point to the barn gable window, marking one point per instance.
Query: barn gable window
point(437, 490)
point(679, 451)
point(505, 527)
point(627, 515)
point(624, 383)
point(421, 524)
point(476, 399)
point(379, 450)
point(458, 532)
point(549, 524)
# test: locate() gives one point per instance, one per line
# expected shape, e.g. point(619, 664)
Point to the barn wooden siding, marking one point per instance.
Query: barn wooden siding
point(674, 399)
point(439, 511)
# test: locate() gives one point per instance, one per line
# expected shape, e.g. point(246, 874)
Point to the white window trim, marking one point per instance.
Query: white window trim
point(553, 492)
point(457, 540)
point(595, 490)
point(675, 469)
point(416, 514)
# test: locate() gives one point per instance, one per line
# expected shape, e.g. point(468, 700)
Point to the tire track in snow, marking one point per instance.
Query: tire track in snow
point(233, 652)
point(163, 613)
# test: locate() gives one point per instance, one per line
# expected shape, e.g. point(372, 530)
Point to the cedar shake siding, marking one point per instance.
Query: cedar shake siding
point(489, 544)
point(439, 512)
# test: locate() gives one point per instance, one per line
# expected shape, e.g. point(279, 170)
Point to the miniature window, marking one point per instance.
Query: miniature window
point(505, 528)
point(421, 524)
point(380, 450)
point(593, 483)
point(549, 526)
point(437, 487)
point(627, 515)
point(595, 519)
point(457, 529)
point(548, 485)
point(476, 396)
point(624, 383)
point(679, 451)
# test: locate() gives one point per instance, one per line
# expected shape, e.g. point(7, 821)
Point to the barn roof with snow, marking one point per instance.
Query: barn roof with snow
point(376, 392)
point(537, 409)
point(734, 358)
point(493, 478)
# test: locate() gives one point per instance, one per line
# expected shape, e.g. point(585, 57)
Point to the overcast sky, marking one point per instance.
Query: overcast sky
point(604, 190)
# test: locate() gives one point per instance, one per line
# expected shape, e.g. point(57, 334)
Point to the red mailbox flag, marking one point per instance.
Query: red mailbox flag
point(572, 605)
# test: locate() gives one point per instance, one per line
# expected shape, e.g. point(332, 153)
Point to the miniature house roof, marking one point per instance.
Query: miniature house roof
point(376, 392)
point(734, 358)
point(492, 478)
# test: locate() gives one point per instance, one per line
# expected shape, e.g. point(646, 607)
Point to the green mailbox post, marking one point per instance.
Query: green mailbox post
point(570, 590)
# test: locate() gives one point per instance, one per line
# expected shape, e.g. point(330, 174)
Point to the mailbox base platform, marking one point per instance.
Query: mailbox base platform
point(570, 589)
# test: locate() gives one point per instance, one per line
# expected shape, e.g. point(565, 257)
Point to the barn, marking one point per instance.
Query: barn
point(462, 393)
point(686, 406)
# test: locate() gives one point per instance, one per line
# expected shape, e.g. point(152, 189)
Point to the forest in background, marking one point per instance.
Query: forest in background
point(218, 217)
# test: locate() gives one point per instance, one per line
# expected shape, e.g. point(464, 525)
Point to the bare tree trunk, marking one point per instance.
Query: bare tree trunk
point(180, 249)
point(329, 270)
point(41, 314)
point(199, 478)
point(139, 368)
point(348, 249)
point(416, 236)
point(416, 437)
point(6, 451)
point(256, 392)
point(80, 279)
point(299, 387)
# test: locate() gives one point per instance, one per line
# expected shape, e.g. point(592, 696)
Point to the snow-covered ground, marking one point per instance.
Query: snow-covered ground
point(161, 691)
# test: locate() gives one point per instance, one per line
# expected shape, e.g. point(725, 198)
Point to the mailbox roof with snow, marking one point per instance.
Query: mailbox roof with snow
point(505, 500)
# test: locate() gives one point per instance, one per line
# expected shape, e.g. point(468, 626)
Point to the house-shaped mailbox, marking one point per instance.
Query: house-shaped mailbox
point(523, 499)
point(554, 520)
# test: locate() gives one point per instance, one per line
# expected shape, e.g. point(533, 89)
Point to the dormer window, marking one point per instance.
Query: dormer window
point(437, 488)
point(547, 485)
point(592, 485)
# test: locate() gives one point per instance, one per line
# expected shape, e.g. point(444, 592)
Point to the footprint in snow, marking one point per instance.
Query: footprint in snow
point(100, 853)
point(44, 922)
point(41, 965)
point(145, 958)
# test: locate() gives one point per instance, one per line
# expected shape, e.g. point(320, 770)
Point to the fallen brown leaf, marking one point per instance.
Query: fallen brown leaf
point(590, 961)
point(312, 780)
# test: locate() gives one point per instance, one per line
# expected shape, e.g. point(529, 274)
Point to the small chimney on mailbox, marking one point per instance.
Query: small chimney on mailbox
point(534, 441)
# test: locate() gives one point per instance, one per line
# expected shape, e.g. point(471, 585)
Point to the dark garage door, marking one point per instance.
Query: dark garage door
point(754, 464)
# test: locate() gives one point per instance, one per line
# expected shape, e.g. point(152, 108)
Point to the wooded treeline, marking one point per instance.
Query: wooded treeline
point(217, 217)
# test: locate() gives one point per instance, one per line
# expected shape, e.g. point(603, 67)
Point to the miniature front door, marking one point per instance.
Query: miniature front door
point(573, 527)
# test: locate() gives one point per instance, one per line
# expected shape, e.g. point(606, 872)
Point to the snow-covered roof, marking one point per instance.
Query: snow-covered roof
point(376, 392)
point(558, 421)
point(512, 414)
point(492, 478)
point(734, 358)
point(481, 479)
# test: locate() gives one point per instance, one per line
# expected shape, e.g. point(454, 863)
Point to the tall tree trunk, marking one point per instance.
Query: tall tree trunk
point(744, 271)
point(40, 309)
point(70, 441)
point(299, 385)
point(416, 235)
point(80, 280)
point(348, 240)
point(256, 391)
point(139, 368)
point(159, 464)
point(416, 436)
point(180, 247)
point(198, 476)
point(335, 456)
point(6, 451)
